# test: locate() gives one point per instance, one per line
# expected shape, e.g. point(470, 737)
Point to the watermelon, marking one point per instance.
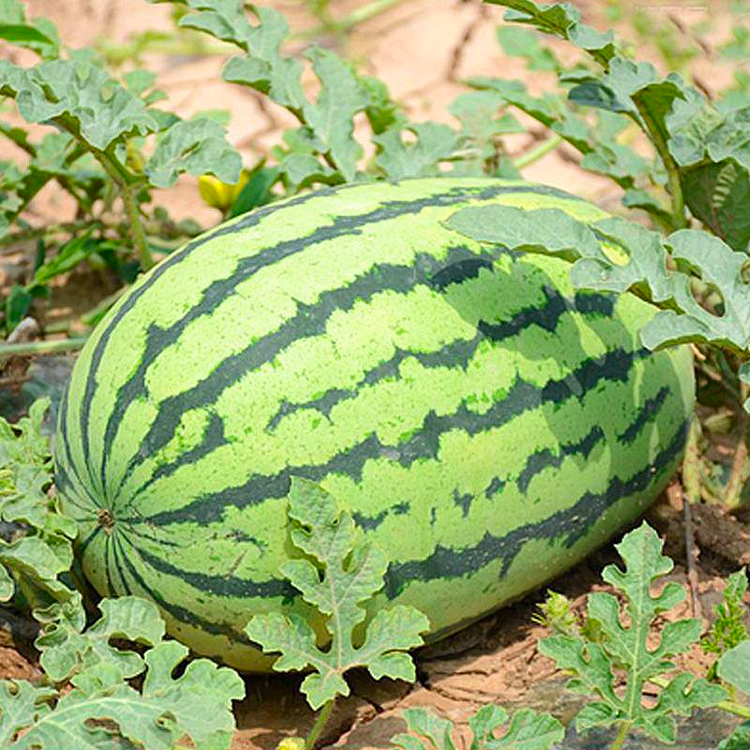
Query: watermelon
point(484, 422)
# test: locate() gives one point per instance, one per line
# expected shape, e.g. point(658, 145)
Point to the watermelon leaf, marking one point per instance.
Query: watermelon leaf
point(94, 106)
point(527, 730)
point(621, 650)
point(345, 575)
point(103, 712)
point(196, 146)
point(39, 35)
point(728, 628)
point(738, 740)
point(331, 117)
point(549, 230)
point(639, 263)
point(22, 34)
point(734, 666)
point(40, 540)
point(324, 150)
point(66, 649)
point(435, 142)
point(563, 20)
point(517, 42)
point(93, 703)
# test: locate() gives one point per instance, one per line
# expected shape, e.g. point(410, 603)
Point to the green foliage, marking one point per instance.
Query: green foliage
point(622, 648)
point(434, 142)
point(739, 740)
point(39, 35)
point(556, 613)
point(345, 574)
point(103, 708)
point(111, 142)
point(701, 146)
point(518, 42)
point(617, 255)
point(108, 142)
point(40, 548)
point(102, 115)
point(527, 730)
point(728, 628)
point(734, 667)
point(323, 149)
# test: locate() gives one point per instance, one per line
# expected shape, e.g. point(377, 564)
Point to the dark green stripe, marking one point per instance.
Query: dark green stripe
point(369, 523)
point(176, 611)
point(650, 409)
point(456, 354)
point(62, 467)
point(536, 463)
point(571, 523)
point(132, 299)
point(221, 585)
point(81, 547)
point(459, 272)
point(70, 494)
point(460, 353)
point(150, 538)
point(463, 501)
point(523, 396)
point(546, 459)
point(310, 320)
point(213, 438)
point(119, 552)
point(547, 316)
point(108, 565)
point(214, 295)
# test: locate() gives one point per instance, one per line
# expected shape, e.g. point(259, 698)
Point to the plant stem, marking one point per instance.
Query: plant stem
point(124, 180)
point(376, 7)
point(622, 735)
point(365, 13)
point(673, 173)
point(538, 152)
point(319, 725)
point(42, 347)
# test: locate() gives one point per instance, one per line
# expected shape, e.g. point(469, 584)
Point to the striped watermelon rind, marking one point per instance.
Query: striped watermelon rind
point(484, 422)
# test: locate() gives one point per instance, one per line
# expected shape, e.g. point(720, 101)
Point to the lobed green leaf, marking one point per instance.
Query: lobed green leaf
point(196, 146)
point(344, 576)
point(95, 106)
point(562, 20)
point(634, 259)
point(66, 649)
point(102, 709)
point(621, 647)
point(734, 666)
point(434, 143)
point(39, 35)
point(526, 730)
